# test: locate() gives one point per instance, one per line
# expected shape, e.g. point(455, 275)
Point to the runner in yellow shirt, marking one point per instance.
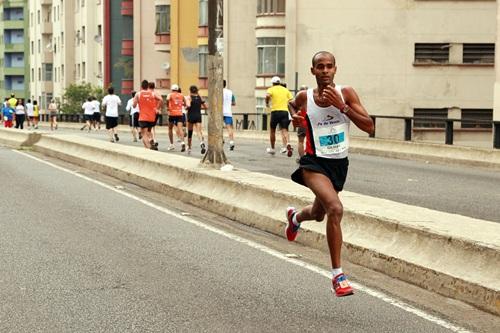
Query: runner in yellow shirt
point(279, 96)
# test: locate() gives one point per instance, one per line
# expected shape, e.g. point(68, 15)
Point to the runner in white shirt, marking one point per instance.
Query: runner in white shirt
point(228, 101)
point(111, 102)
point(30, 112)
point(88, 113)
point(96, 119)
point(134, 116)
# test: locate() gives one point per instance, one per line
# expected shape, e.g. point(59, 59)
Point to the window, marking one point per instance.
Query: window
point(476, 114)
point(39, 47)
point(429, 113)
point(32, 47)
point(203, 59)
point(271, 55)
point(83, 35)
point(32, 75)
point(203, 13)
point(47, 72)
point(38, 17)
point(260, 105)
point(430, 53)
point(84, 68)
point(78, 71)
point(62, 72)
point(271, 7)
point(39, 74)
point(162, 19)
point(479, 53)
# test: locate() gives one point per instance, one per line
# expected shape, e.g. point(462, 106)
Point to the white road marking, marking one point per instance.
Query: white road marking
point(283, 256)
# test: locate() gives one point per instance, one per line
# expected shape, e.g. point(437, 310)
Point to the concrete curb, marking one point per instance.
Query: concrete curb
point(441, 252)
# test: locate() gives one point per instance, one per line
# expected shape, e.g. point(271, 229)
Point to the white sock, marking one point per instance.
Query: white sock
point(294, 219)
point(231, 143)
point(336, 271)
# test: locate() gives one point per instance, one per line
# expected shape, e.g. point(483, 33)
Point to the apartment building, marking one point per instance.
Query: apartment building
point(403, 57)
point(14, 55)
point(66, 46)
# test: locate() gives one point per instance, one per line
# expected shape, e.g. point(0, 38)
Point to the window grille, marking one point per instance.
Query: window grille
point(479, 53)
point(432, 53)
point(429, 113)
point(476, 114)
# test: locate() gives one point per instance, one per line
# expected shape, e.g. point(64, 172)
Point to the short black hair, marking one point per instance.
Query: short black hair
point(144, 84)
point(151, 85)
point(193, 89)
point(224, 83)
point(317, 54)
point(111, 90)
point(133, 93)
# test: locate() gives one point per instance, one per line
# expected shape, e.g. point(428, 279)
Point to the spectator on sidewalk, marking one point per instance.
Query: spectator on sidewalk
point(20, 114)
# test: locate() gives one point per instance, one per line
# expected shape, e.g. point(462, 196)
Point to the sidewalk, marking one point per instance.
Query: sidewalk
point(450, 254)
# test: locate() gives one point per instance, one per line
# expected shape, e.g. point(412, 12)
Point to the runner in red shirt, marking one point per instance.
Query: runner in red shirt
point(148, 104)
point(175, 102)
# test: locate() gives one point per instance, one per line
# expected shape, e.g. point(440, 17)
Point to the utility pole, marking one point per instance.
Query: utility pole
point(215, 155)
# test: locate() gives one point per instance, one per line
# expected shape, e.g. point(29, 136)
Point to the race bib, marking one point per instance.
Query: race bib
point(332, 139)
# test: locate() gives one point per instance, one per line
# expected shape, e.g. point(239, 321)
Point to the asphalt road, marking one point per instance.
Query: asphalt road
point(78, 257)
point(462, 190)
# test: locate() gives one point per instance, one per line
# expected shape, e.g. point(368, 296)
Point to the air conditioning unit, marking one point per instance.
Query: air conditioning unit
point(165, 66)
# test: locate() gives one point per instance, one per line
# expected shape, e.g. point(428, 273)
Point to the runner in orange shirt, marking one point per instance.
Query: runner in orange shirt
point(148, 103)
point(175, 102)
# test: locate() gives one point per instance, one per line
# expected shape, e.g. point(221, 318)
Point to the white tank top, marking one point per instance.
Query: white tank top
point(328, 129)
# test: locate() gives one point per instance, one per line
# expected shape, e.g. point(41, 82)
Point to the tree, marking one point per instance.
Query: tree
point(215, 155)
point(76, 94)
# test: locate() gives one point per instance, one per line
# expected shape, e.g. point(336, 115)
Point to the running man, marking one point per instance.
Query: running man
point(88, 113)
point(152, 88)
point(134, 117)
point(228, 101)
point(30, 114)
point(175, 102)
point(279, 97)
point(111, 102)
point(194, 104)
point(329, 109)
point(53, 114)
point(148, 102)
point(96, 119)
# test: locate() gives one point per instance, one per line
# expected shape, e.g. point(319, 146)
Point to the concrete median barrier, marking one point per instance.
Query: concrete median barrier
point(453, 255)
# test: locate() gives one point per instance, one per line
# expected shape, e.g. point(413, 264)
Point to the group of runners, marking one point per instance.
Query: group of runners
point(16, 110)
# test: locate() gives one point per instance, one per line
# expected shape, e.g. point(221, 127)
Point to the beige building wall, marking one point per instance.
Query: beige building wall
point(151, 59)
point(374, 43)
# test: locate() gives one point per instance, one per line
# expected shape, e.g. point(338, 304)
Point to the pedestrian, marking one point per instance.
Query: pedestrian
point(134, 117)
point(175, 102)
point(151, 87)
point(20, 113)
point(323, 169)
point(194, 104)
point(278, 96)
point(30, 113)
point(8, 114)
point(147, 102)
point(228, 101)
point(301, 129)
point(53, 114)
point(36, 114)
point(88, 113)
point(111, 102)
point(12, 101)
point(96, 118)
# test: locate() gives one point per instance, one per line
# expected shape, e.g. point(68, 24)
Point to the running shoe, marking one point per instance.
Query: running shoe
point(140, 136)
point(171, 147)
point(231, 145)
point(117, 138)
point(341, 286)
point(183, 147)
point(289, 150)
point(135, 140)
point(291, 230)
point(189, 151)
point(203, 148)
point(153, 148)
point(283, 150)
point(270, 151)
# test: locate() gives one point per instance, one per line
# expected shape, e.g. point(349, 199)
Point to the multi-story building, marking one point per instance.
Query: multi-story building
point(14, 46)
point(66, 46)
point(404, 58)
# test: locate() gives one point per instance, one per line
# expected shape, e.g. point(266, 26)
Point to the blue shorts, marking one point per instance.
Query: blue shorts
point(228, 120)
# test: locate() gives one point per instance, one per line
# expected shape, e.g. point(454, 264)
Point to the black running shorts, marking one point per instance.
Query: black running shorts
point(175, 119)
point(280, 117)
point(147, 124)
point(134, 120)
point(334, 169)
point(111, 122)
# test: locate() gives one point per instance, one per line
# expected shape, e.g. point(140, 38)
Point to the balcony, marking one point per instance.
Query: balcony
point(13, 71)
point(14, 47)
point(48, 57)
point(18, 24)
point(162, 43)
point(127, 47)
point(46, 28)
point(127, 8)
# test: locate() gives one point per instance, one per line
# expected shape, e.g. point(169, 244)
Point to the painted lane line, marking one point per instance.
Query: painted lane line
point(283, 256)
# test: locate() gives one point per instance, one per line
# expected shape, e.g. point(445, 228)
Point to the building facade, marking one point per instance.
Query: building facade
point(14, 54)
point(66, 46)
point(404, 58)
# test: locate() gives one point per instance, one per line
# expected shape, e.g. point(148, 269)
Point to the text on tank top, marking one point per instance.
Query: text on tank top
point(147, 106)
point(328, 129)
point(175, 103)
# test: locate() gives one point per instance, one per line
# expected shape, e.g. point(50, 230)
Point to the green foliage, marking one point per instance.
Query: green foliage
point(76, 94)
point(126, 64)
